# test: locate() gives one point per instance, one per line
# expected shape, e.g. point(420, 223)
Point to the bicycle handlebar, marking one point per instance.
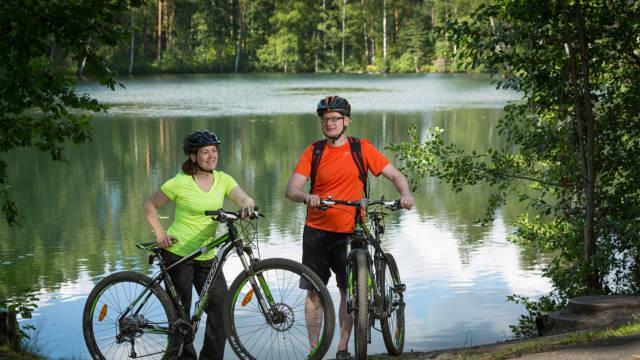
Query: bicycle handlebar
point(363, 203)
point(222, 215)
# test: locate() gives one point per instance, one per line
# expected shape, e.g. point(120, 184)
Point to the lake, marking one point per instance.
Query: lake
point(82, 219)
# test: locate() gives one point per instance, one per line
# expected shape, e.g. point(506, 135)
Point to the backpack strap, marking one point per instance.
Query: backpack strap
point(318, 148)
point(356, 152)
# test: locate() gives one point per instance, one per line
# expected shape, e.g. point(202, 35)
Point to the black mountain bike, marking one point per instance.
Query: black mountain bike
point(374, 289)
point(129, 315)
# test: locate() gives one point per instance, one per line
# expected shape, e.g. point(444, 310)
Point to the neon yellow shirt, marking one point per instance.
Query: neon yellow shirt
point(190, 226)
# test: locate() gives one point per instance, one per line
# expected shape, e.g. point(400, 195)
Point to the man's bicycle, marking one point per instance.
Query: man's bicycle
point(374, 289)
point(129, 315)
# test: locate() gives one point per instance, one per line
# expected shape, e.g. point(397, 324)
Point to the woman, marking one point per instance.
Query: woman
point(198, 187)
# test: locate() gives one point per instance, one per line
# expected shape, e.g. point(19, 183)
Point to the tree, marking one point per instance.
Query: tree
point(576, 133)
point(40, 41)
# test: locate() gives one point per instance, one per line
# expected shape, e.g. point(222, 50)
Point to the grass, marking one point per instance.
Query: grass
point(508, 350)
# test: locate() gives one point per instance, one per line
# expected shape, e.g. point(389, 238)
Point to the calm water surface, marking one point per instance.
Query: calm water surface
point(82, 220)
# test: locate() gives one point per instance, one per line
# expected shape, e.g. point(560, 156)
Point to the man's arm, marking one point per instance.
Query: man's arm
point(400, 182)
point(294, 191)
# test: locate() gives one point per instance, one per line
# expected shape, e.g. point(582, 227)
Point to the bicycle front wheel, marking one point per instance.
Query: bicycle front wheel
point(359, 279)
point(143, 331)
point(293, 326)
point(393, 305)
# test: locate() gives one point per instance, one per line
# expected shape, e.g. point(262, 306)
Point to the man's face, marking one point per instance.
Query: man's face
point(333, 123)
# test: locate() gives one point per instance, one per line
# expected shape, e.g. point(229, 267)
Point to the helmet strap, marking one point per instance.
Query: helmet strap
point(198, 167)
point(335, 138)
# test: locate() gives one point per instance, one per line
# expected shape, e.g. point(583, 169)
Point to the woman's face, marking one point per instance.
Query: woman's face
point(206, 158)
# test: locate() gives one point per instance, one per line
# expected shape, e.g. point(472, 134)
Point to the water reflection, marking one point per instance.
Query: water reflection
point(82, 220)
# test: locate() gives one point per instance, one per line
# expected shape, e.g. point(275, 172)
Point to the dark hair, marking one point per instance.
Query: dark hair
point(189, 167)
point(334, 103)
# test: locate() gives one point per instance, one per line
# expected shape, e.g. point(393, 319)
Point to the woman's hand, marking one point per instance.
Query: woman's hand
point(248, 204)
point(164, 241)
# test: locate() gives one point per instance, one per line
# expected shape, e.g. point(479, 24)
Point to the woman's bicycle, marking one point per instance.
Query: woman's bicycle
point(129, 315)
point(374, 289)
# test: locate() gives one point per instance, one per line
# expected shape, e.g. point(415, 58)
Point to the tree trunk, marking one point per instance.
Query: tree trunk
point(433, 14)
point(165, 23)
point(143, 32)
point(170, 17)
point(590, 183)
point(367, 57)
point(586, 137)
point(240, 35)
point(396, 20)
point(344, 19)
point(315, 51)
point(324, 38)
point(384, 33)
point(159, 33)
point(9, 334)
point(82, 65)
point(133, 44)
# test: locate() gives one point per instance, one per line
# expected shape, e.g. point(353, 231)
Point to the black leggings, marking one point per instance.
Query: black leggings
point(195, 273)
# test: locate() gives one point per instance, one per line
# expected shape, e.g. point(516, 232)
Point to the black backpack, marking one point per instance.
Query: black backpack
point(356, 154)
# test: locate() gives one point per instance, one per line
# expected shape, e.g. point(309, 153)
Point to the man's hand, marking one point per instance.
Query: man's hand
point(312, 200)
point(406, 202)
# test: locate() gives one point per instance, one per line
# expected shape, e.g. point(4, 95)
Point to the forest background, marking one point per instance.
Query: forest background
point(182, 36)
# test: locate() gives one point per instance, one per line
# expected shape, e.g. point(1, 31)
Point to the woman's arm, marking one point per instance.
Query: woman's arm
point(151, 206)
point(246, 203)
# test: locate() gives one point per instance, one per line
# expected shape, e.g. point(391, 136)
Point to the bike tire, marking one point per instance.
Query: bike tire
point(360, 298)
point(289, 338)
point(108, 299)
point(393, 323)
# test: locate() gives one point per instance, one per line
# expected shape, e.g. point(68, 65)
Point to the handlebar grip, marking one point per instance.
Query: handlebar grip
point(212, 212)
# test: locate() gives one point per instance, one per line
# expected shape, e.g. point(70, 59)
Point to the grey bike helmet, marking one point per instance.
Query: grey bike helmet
point(334, 103)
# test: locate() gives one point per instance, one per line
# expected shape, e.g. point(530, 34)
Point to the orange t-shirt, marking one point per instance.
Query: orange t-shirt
point(337, 176)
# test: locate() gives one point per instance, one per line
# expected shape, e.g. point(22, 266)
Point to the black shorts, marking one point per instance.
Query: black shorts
point(323, 251)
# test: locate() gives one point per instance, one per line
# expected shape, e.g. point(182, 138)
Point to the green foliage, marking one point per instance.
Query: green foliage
point(24, 306)
point(572, 139)
point(535, 310)
point(40, 39)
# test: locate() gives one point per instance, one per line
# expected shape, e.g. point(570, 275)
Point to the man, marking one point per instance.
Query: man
point(339, 170)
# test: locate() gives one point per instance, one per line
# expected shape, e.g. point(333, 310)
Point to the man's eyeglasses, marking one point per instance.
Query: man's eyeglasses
point(333, 120)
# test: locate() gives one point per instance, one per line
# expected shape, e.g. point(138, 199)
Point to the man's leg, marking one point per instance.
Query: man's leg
point(313, 316)
point(315, 258)
point(346, 322)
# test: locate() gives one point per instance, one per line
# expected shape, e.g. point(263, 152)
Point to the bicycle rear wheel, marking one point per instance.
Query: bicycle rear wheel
point(393, 305)
point(143, 331)
point(360, 297)
point(294, 328)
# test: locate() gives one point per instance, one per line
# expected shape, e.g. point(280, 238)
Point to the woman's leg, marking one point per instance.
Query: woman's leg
point(182, 278)
point(214, 336)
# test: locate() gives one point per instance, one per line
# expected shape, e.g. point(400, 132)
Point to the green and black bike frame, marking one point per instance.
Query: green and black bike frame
point(226, 243)
point(362, 238)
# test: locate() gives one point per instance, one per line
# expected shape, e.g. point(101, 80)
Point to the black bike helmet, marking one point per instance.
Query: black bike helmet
point(334, 103)
point(198, 139)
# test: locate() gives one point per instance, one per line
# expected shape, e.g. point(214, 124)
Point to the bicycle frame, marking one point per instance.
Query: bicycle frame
point(364, 236)
point(227, 242)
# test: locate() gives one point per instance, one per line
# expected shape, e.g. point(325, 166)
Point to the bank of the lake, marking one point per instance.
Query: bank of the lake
point(610, 343)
